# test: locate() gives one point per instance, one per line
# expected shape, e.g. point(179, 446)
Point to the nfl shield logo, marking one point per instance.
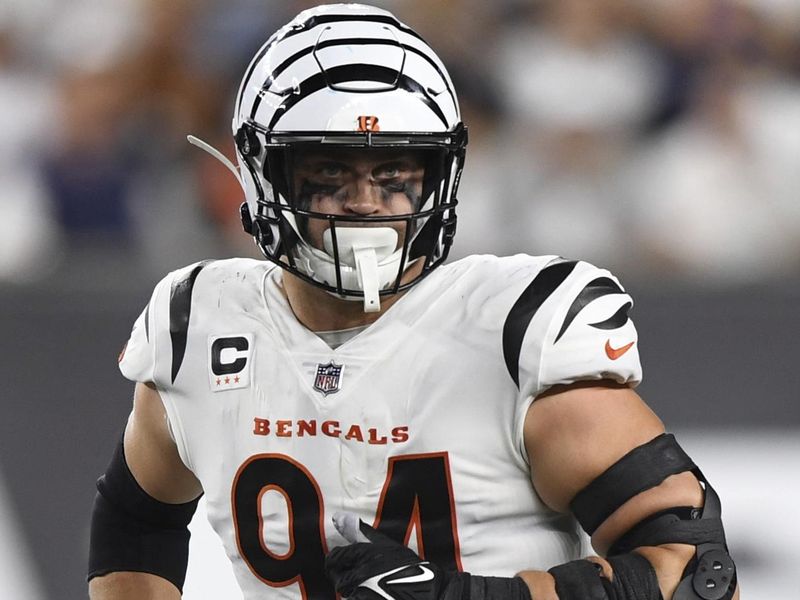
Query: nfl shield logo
point(328, 378)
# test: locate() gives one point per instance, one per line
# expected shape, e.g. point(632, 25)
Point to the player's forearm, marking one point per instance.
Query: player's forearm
point(132, 586)
point(669, 562)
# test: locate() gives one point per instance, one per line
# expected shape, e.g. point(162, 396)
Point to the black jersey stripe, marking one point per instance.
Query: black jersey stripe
point(521, 314)
point(597, 288)
point(147, 322)
point(180, 307)
point(312, 22)
point(617, 320)
point(356, 72)
point(277, 71)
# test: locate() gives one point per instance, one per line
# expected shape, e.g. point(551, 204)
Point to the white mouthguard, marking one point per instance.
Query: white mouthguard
point(366, 249)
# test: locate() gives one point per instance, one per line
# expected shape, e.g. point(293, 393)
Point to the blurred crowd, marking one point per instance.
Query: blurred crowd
point(660, 138)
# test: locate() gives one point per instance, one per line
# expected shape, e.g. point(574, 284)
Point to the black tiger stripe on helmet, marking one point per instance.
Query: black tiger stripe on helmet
point(297, 49)
point(312, 21)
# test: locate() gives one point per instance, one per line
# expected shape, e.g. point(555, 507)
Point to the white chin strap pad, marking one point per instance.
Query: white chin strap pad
point(365, 249)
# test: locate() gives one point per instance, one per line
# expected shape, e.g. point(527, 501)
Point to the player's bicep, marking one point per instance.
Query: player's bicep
point(151, 453)
point(575, 434)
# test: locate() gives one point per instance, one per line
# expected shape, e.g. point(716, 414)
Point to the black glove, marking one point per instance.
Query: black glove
point(375, 567)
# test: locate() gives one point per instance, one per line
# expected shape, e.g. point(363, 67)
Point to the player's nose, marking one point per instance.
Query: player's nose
point(364, 197)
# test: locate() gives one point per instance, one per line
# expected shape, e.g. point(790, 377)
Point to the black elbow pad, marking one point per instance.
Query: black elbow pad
point(711, 575)
point(132, 531)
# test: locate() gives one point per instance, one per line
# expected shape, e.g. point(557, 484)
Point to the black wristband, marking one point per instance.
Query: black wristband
point(634, 579)
point(578, 580)
point(463, 586)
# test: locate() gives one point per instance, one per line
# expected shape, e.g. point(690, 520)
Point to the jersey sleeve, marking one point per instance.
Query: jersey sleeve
point(139, 359)
point(581, 330)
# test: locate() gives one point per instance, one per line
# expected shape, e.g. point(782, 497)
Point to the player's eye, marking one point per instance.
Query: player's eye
point(330, 170)
point(388, 171)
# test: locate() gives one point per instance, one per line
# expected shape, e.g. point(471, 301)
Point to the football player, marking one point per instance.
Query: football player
point(462, 421)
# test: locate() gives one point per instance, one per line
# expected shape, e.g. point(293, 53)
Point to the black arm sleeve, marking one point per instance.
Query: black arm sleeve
point(132, 531)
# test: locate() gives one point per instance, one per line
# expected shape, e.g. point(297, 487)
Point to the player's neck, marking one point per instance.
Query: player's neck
point(318, 310)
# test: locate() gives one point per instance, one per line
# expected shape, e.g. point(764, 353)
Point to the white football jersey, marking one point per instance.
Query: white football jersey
point(415, 424)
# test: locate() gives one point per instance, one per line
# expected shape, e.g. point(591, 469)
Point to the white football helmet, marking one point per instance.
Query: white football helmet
point(348, 75)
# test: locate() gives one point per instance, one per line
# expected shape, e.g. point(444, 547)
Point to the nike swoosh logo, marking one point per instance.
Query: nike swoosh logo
point(615, 353)
point(377, 582)
point(426, 575)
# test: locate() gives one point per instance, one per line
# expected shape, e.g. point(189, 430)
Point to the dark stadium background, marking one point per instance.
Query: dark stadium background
point(100, 196)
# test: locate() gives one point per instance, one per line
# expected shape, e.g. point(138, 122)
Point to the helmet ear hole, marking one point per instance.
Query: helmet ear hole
point(263, 233)
point(247, 141)
point(247, 220)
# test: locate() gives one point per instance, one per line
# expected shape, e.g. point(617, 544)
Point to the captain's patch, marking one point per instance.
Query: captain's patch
point(229, 359)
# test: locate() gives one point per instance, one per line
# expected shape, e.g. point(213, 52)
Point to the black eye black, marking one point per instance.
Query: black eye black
point(311, 188)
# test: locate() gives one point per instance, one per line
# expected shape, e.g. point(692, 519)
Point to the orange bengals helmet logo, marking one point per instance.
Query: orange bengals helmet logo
point(368, 123)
